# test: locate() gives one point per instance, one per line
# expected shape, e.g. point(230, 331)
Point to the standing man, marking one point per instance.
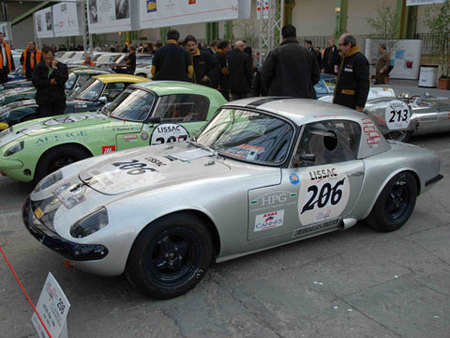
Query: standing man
point(240, 67)
point(131, 60)
point(290, 69)
point(172, 62)
point(223, 83)
point(206, 67)
point(6, 60)
point(309, 46)
point(49, 78)
point(331, 59)
point(382, 67)
point(31, 56)
point(352, 86)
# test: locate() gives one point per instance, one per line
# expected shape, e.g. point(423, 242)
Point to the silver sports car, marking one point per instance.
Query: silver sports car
point(264, 172)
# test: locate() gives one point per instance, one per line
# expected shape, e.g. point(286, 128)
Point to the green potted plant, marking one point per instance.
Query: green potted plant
point(437, 18)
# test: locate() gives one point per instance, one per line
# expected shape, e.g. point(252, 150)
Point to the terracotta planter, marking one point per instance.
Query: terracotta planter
point(444, 83)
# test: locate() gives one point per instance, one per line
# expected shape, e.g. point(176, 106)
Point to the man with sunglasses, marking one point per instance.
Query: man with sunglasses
point(352, 86)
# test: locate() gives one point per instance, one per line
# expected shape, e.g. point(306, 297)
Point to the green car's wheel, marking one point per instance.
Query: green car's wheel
point(395, 204)
point(170, 256)
point(57, 158)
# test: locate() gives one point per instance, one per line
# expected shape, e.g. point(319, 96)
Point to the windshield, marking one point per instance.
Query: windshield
point(91, 90)
point(71, 81)
point(132, 104)
point(249, 136)
point(144, 59)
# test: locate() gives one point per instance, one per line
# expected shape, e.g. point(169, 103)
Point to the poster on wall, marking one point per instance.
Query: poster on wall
point(405, 57)
point(164, 13)
point(66, 19)
point(424, 2)
point(43, 23)
point(5, 28)
point(109, 16)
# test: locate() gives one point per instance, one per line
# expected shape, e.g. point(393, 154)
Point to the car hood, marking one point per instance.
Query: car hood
point(158, 166)
point(16, 91)
point(18, 104)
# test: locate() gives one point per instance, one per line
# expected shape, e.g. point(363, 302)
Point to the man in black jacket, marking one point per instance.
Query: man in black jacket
point(352, 86)
point(206, 67)
point(240, 67)
point(223, 80)
point(172, 62)
point(131, 60)
point(49, 78)
point(290, 69)
point(331, 59)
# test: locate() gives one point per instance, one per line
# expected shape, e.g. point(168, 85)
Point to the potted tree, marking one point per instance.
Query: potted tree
point(437, 18)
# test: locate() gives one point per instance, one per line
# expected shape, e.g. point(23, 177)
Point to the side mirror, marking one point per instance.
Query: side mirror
point(103, 100)
point(308, 157)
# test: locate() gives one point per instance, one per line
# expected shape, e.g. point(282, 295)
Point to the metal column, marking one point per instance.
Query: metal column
point(270, 22)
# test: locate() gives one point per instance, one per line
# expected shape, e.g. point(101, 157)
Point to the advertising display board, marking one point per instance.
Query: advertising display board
point(109, 16)
point(424, 2)
point(43, 23)
point(164, 13)
point(66, 19)
point(405, 57)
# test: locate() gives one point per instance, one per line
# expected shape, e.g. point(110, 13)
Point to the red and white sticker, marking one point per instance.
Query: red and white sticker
point(323, 195)
point(397, 115)
point(168, 133)
point(369, 129)
point(108, 149)
point(269, 220)
point(130, 137)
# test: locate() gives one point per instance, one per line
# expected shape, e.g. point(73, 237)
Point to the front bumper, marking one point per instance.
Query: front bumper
point(70, 250)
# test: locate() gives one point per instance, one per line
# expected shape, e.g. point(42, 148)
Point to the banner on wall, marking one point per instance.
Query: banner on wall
point(164, 13)
point(5, 28)
point(405, 57)
point(109, 16)
point(424, 2)
point(43, 23)
point(66, 19)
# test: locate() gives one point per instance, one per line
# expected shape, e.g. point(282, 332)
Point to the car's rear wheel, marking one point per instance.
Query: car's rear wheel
point(395, 204)
point(57, 158)
point(402, 136)
point(170, 256)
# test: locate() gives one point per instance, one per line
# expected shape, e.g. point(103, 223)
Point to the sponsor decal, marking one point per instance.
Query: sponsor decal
point(108, 149)
point(133, 167)
point(127, 128)
point(294, 179)
point(168, 133)
point(246, 151)
point(192, 2)
point(323, 195)
point(318, 116)
point(371, 133)
point(397, 115)
point(130, 137)
point(269, 220)
point(38, 213)
point(144, 136)
point(429, 118)
point(81, 106)
point(61, 137)
point(282, 198)
point(155, 161)
point(315, 227)
point(151, 6)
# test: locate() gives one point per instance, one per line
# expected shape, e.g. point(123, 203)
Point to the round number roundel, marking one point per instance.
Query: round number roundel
point(323, 196)
point(397, 115)
point(168, 133)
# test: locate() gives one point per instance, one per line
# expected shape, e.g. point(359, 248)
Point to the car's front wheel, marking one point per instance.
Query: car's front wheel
point(395, 204)
point(170, 256)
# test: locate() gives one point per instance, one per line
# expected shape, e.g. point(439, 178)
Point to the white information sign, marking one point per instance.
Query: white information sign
point(108, 16)
point(53, 307)
point(43, 23)
point(397, 115)
point(405, 57)
point(163, 13)
point(66, 19)
point(424, 2)
point(5, 28)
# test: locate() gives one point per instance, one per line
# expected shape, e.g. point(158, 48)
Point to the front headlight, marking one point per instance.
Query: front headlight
point(2, 99)
point(90, 224)
point(14, 149)
point(49, 180)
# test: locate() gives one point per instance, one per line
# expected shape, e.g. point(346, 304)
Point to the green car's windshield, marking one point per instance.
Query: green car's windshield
point(132, 104)
point(71, 81)
point(90, 91)
point(248, 136)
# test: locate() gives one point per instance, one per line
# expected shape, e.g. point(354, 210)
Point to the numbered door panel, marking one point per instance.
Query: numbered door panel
point(131, 135)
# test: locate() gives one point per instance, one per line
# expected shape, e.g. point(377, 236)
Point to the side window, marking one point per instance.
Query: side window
point(329, 141)
point(182, 108)
point(113, 90)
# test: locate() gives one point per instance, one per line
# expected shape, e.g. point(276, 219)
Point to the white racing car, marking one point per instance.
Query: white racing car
point(264, 172)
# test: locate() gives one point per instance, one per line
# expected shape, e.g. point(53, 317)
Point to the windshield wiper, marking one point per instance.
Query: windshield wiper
point(215, 153)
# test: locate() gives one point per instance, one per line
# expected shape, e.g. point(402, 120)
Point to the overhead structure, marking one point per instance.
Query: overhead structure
point(270, 17)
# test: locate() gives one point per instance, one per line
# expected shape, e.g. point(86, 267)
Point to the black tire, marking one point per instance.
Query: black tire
point(402, 136)
point(170, 256)
point(395, 204)
point(57, 158)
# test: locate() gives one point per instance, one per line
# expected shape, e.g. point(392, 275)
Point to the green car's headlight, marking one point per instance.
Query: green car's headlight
point(49, 180)
point(14, 149)
point(90, 224)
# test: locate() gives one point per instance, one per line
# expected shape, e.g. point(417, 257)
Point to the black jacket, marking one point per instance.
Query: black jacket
point(223, 80)
point(205, 64)
point(331, 59)
point(290, 70)
point(47, 93)
point(171, 62)
point(131, 63)
point(240, 68)
point(352, 86)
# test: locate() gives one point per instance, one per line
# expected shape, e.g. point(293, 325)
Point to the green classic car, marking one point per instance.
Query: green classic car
point(77, 78)
point(143, 114)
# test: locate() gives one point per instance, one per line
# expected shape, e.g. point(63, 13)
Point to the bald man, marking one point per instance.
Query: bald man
point(240, 68)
